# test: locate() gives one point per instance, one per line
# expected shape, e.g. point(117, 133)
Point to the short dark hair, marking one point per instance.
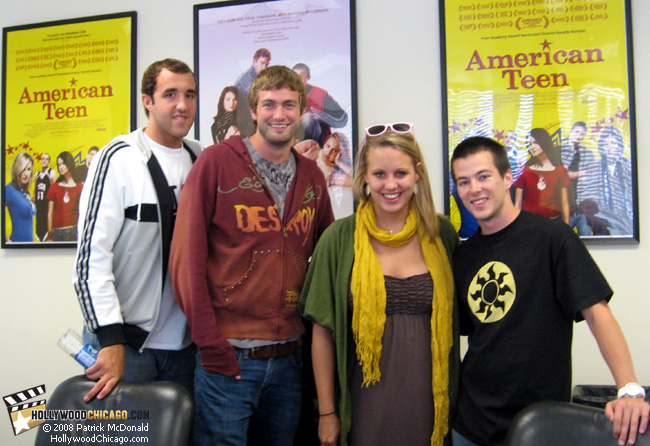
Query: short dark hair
point(302, 66)
point(579, 124)
point(476, 144)
point(150, 75)
point(607, 132)
point(276, 77)
point(262, 52)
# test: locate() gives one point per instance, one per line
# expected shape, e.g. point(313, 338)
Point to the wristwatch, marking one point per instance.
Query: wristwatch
point(631, 389)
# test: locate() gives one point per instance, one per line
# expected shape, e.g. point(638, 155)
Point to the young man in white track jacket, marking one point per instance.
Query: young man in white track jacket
point(127, 213)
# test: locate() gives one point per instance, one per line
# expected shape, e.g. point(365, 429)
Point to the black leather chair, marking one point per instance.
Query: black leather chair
point(551, 423)
point(163, 408)
point(597, 395)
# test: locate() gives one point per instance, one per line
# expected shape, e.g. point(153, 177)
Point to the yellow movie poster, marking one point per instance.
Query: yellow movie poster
point(67, 91)
point(552, 81)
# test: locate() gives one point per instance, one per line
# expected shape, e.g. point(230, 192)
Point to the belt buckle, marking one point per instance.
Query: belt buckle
point(253, 352)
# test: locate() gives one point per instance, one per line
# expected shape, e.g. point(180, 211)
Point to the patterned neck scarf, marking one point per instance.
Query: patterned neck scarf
point(369, 305)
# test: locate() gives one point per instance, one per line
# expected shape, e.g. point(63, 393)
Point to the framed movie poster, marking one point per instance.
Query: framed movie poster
point(68, 89)
point(553, 82)
point(316, 38)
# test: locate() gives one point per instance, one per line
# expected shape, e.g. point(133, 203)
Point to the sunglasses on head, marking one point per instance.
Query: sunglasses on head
point(397, 127)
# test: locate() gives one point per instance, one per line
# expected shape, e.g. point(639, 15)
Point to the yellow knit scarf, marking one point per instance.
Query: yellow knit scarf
point(369, 305)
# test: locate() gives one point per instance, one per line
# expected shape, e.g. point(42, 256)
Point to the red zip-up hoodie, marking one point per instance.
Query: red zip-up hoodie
point(237, 265)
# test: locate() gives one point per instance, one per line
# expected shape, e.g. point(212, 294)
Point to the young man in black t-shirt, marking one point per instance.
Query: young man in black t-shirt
point(522, 281)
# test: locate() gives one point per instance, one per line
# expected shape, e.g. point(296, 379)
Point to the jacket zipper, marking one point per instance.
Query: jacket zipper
point(285, 236)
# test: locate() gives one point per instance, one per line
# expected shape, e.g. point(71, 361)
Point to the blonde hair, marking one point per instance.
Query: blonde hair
point(405, 143)
point(22, 160)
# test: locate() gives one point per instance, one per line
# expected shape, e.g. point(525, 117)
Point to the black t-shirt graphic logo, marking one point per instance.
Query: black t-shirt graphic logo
point(492, 292)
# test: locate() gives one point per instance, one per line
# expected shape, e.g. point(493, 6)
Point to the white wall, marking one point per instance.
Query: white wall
point(398, 79)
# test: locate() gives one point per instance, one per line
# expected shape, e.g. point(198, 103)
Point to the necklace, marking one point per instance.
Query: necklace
point(393, 231)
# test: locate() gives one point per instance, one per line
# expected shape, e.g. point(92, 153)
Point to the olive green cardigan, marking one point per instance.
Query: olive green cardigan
point(324, 301)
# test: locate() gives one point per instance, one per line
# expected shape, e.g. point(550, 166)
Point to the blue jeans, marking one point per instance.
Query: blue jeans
point(262, 408)
point(154, 364)
point(459, 440)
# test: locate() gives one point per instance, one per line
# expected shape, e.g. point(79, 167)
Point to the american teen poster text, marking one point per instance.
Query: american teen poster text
point(67, 91)
point(557, 73)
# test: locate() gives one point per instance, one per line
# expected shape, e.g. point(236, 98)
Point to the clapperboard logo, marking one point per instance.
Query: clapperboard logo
point(20, 411)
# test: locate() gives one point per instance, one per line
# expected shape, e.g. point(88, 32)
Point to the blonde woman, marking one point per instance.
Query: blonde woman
point(18, 201)
point(379, 291)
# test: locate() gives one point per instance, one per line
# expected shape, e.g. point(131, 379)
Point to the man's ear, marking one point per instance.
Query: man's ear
point(508, 178)
point(147, 101)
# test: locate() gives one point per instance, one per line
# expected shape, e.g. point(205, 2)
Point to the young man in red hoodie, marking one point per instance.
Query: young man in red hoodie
point(249, 218)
